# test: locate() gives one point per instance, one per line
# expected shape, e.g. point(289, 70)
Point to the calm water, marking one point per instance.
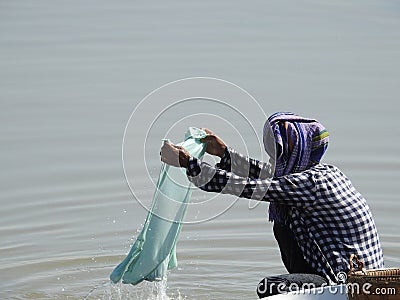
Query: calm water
point(72, 71)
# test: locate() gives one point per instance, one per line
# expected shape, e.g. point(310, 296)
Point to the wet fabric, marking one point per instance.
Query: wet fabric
point(300, 144)
point(154, 251)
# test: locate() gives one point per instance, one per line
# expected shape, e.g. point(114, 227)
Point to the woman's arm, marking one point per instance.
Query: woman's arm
point(233, 161)
point(294, 189)
point(245, 166)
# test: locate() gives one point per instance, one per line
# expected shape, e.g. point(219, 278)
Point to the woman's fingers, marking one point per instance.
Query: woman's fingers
point(170, 154)
point(208, 131)
point(178, 147)
point(207, 138)
point(165, 145)
point(165, 150)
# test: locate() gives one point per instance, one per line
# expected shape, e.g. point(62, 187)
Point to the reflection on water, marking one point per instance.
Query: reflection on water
point(71, 72)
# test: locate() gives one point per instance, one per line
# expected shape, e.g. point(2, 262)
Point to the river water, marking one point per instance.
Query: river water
point(71, 73)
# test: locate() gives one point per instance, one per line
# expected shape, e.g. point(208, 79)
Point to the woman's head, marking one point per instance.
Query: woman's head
point(299, 142)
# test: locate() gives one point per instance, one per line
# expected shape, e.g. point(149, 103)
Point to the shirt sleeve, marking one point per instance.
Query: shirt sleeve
point(225, 162)
point(233, 161)
point(296, 189)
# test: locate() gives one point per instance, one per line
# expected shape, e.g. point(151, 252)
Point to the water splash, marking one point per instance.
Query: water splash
point(156, 290)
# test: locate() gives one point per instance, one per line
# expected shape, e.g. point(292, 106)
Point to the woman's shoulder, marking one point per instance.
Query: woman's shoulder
point(329, 172)
point(325, 169)
point(325, 166)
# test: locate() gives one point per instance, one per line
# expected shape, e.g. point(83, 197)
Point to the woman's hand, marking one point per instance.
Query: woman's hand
point(215, 146)
point(174, 155)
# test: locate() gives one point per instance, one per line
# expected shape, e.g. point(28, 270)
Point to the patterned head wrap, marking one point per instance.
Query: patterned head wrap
point(300, 144)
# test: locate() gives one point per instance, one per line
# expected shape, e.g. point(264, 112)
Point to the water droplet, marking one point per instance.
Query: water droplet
point(114, 221)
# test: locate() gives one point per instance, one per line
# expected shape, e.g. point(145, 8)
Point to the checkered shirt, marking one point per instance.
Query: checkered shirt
point(329, 218)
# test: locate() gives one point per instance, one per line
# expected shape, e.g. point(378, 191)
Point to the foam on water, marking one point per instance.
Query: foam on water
point(156, 290)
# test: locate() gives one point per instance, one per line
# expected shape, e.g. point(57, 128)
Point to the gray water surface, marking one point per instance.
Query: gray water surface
point(71, 72)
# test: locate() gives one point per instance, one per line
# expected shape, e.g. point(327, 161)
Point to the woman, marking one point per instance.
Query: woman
point(319, 218)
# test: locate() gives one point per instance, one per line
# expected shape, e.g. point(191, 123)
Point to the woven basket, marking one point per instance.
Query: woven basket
point(382, 284)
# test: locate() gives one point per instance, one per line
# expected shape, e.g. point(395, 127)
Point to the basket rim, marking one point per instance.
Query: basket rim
point(367, 273)
point(383, 269)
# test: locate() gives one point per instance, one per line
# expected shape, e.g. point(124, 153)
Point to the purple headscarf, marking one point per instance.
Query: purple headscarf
point(300, 144)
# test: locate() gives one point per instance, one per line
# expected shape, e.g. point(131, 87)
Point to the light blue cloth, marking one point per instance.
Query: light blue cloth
point(154, 251)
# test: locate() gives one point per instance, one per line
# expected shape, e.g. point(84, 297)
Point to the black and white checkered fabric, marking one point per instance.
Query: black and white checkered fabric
point(329, 217)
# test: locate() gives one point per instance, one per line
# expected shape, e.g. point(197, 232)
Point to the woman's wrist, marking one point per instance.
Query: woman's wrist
point(184, 159)
point(222, 151)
